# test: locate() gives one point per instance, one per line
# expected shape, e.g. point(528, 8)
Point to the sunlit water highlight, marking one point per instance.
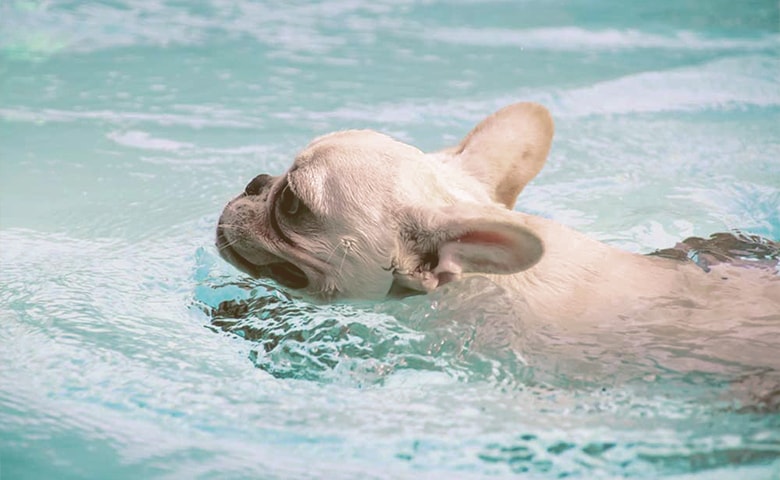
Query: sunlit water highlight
point(128, 349)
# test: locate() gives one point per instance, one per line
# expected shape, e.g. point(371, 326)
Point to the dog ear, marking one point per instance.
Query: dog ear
point(506, 150)
point(442, 245)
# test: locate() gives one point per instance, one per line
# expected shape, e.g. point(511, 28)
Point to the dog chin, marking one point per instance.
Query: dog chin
point(281, 271)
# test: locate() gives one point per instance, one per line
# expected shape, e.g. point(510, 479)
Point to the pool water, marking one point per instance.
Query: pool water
point(129, 349)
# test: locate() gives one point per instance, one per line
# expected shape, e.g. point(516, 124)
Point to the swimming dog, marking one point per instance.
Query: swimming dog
point(360, 215)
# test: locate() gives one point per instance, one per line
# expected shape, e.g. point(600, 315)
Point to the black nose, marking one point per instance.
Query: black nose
point(256, 185)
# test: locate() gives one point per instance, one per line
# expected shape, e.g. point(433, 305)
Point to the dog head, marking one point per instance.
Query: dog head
point(360, 215)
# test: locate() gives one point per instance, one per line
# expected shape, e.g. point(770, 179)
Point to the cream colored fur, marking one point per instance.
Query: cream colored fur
point(363, 216)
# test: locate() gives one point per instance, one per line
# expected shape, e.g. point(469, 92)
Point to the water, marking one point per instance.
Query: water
point(130, 350)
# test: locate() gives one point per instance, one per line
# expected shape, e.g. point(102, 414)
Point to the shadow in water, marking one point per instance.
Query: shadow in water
point(725, 247)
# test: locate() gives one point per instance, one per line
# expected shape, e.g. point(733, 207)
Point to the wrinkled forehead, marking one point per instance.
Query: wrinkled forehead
point(352, 147)
point(345, 170)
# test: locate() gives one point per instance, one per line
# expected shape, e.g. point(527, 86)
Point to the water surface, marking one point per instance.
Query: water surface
point(128, 349)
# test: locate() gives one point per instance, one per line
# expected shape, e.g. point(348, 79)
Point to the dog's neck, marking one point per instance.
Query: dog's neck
point(580, 278)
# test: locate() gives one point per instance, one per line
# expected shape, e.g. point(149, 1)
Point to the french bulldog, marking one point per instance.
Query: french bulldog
point(360, 215)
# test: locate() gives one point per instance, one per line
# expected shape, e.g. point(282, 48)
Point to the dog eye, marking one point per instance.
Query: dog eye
point(288, 202)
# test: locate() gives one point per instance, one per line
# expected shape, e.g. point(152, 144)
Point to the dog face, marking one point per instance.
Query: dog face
point(360, 215)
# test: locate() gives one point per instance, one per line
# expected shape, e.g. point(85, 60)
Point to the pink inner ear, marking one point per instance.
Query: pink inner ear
point(483, 237)
point(490, 250)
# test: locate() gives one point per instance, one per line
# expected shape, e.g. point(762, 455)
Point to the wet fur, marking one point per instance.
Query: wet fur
point(380, 217)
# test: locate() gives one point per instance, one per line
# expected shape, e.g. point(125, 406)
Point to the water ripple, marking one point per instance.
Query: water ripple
point(581, 39)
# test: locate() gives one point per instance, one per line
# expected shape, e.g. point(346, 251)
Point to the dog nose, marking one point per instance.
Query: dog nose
point(256, 185)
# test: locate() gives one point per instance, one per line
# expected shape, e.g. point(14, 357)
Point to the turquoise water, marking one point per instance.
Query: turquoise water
point(128, 349)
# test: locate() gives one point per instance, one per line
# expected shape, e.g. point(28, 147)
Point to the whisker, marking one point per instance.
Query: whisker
point(344, 257)
point(349, 247)
point(227, 244)
point(230, 226)
point(332, 252)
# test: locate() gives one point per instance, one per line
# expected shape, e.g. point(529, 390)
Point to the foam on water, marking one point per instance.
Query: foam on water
point(576, 39)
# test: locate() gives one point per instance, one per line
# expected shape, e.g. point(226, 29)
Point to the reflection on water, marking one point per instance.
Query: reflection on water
point(642, 369)
point(469, 336)
point(473, 330)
